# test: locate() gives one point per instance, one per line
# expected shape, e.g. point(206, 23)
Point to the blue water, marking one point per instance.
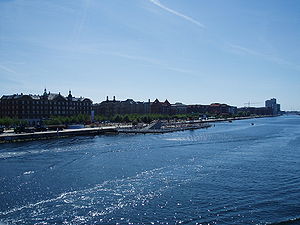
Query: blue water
point(233, 173)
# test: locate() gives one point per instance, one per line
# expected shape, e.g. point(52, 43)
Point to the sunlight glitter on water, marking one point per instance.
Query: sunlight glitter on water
point(223, 175)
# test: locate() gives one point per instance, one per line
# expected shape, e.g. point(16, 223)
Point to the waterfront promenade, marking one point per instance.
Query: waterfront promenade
point(168, 127)
point(13, 137)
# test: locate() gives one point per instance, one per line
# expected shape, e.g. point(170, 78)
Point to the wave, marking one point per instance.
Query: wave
point(100, 200)
point(288, 221)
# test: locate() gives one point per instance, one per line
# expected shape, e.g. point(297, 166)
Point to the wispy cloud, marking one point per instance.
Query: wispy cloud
point(11, 79)
point(60, 7)
point(97, 50)
point(149, 61)
point(158, 3)
point(240, 49)
point(4, 81)
point(5, 68)
point(237, 49)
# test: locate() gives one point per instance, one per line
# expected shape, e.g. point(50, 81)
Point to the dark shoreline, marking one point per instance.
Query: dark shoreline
point(195, 124)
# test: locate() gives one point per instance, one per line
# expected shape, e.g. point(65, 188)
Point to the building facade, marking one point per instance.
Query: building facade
point(37, 107)
point(214, 108)
point(261, 111)
point(113, 107)
point(178, 108)
point(158, 107)
point(272, 104)
point(129, 106)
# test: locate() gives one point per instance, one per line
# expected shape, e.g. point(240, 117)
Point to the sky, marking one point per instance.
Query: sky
point(189, 51)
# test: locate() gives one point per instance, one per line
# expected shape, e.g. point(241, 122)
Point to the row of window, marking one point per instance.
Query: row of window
point(7, 108)
point(44, 113)
point(44, 103)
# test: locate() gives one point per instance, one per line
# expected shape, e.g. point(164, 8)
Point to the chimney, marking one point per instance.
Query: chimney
point(114, 98)
point(107, 98)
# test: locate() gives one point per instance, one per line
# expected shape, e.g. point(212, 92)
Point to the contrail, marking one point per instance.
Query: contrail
point(81, 23)
point(84, 15)
point(157, 3)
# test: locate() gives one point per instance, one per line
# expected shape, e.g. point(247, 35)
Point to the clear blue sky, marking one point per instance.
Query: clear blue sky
point(190, 51)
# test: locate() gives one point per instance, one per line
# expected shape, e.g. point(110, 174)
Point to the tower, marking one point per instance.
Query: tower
point(70, 95)
point(45, 92)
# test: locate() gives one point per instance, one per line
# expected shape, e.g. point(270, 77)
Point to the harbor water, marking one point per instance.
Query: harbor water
point(231, 173)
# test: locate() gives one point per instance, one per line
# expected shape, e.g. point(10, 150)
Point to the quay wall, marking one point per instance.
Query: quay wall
point(6, 138)
point(12, 137)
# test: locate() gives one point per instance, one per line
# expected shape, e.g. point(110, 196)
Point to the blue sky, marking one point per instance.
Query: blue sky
point(190, 51)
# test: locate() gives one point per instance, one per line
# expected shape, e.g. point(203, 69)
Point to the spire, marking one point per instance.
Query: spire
point(70, 95)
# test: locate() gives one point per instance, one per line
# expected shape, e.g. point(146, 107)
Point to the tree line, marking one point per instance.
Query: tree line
point(9, 122)
point(118, 118)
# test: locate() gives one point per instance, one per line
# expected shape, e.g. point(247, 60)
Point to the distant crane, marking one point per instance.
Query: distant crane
point(248, 104)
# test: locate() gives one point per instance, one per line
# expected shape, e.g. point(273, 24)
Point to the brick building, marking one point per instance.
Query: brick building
point(214, 108)
point(158, 107)
point(113, 107)
point(178, 108)
point(129, 106)
point(256, 110)
point(36, 107)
